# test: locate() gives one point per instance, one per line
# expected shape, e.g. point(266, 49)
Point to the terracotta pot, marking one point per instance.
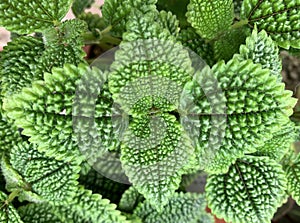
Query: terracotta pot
point(216, 219)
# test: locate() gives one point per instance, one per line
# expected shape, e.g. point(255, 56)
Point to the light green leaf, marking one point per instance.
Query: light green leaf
point(79, 6)
point(169, 22)
point(51, 179)
point(251, 191)
point(183, 208)
point(129, 200)
point(292, 170)
point(237, 7)
point(116, 13)
point(28, 16)
point(154, 154)
point(8, 213)
point(210, 17)
point(280, 19)
point(232, 109)
point(261, 49)
point(18, 63)
point(94, 21)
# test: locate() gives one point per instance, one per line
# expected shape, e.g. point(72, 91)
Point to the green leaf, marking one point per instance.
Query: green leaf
point(169, 21)
point(261, 49)
point(190, 39)
point(229, 43)
point(280, 143)
point(153, 158)
point(210, 17)
point(94, 21)
point(237, 7)
point(79, 6)
point(292, 170)
point(183, 208)
point(51, 179)
point(129, 200)
point(18, 64)
point(8, 213)
point(28, 16)
point(116, 13)
point(232, 109)
point(280, 19)
point(251, 191)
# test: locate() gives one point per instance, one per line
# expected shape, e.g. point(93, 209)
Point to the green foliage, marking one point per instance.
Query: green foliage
point(261, 49)
point(256, 105)
point(210, 17)
point(251, 191)
point(169, 21)
point(184, 208)
point(129, 200)
point(79, 6)
point(94, 21)
point(153, 145)
point(33, 15)
point(8, 213)
point(280, 19)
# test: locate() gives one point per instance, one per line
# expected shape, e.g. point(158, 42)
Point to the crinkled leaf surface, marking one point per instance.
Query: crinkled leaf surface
point(51, 179)
point(169, 21)
point(261, 49)
point(183, 208)
point(116, 13)
point(280, 19)
point(232, 109)
point(19, 62)
point(8, 213)
point(129, 200)
point(27, 16)
point(155, 153)
point(210, 17)
point(251, 191)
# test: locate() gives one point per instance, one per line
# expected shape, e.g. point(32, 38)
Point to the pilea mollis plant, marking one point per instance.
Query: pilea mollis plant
point(181, 89)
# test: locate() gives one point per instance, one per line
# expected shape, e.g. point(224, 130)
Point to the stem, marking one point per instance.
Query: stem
point(106, 30)
point(240, 24)
point(13, 195)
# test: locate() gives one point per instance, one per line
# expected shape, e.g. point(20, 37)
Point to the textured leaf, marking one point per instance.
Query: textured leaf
point(280, 19)
point(29, 16)
point(153, 156)
point(229, 43)
point(237, 7)
point(293, 175)
point(129, 200)
point(18, 63)
point(280, 143)
point(94, 21)
point(44, 111)
point(79, 6)
point(51, 179)
point(169, 21)
point(251, 191)
point(183, 208)
point(91, 208)
point(232, 109)
point(261, 49)
point(8, 213)
point(210, 17)
point(116, 13)
point(189, 38)
point(206, 218)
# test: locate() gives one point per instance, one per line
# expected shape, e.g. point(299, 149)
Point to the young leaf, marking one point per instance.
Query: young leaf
point(183, 208)
point(210, 17)
point(129, 200)
point(251, 191)
point(79, 6)
point(51, 179)
point(18, 63)
point(8, 213)
point(292, 170)
point(280, 19)
point(231, 110)
point(155, 153)
point(25, 17)
point(261, 49)
point(116, 13)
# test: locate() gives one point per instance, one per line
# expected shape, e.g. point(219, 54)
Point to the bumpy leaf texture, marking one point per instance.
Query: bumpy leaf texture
point(19, 62)
point(169, 21)
point(183, 208)
point(251, 191)
point(231, 110)
point(130, 199)
point(51, 179)
point(28, 16)
point(261, 49)
point(292, 170)
point(116, 13)
point(79, 6)
point(280, 19)
point(155, 153)
point(210, 17)
point(8, 213)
